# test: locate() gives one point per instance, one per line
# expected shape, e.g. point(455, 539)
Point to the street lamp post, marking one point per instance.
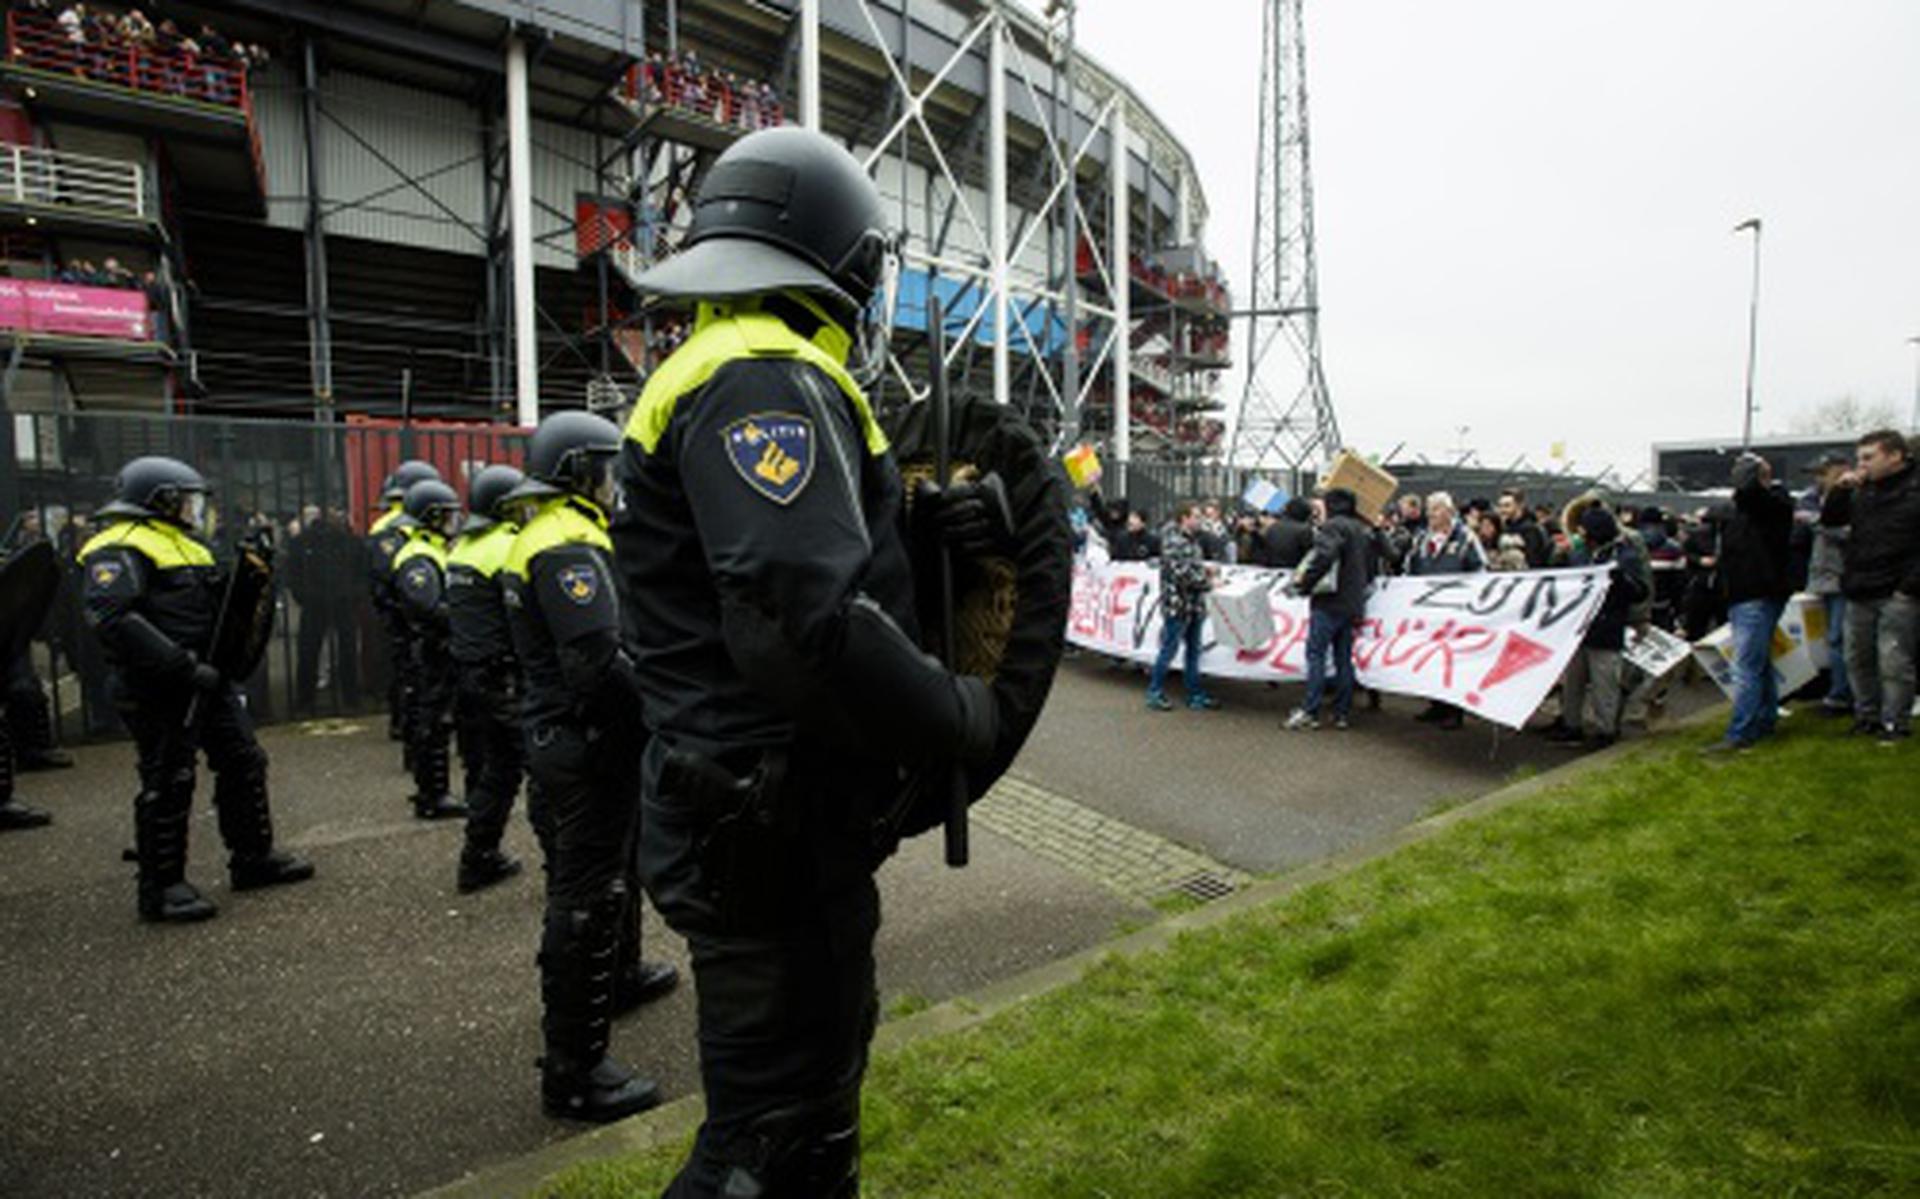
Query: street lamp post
point(1915, 343)
point(1753, 328)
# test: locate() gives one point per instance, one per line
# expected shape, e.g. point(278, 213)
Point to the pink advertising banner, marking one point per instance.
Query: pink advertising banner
point(37, 306)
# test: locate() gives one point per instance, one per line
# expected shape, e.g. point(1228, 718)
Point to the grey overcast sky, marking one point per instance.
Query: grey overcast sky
point(1525, 207)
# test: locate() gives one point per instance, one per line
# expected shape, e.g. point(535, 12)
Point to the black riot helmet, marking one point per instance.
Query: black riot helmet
point(164, 488)
point(434, 505)
point(569, 453)
point(784, 208)
point(406, 475)
point(487, 493)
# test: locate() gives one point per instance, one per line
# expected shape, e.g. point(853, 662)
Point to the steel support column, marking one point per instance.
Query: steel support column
point(810, 63)
point(526, 347)
point(319, 304)
point(997, 205)
point(1070, 234)
point(1118, 236)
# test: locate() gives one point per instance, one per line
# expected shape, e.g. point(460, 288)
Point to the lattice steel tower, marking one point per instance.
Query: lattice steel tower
point(1286, 418)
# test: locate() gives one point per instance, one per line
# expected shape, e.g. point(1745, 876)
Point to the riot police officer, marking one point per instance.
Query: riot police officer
point(488, 685)
point(769, 602)
point(384, 539)
point(420, 597)
point(581, 711)
point(152, 594)
point(14, 815)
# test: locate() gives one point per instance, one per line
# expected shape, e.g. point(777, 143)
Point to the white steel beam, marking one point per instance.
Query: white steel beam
point(810, 63)
point(526, 348)
point(1121, 281)
point(997, 205)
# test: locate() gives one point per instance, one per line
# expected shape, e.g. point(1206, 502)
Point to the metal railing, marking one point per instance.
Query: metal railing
point(37, 40)
point(315, 485)
point(56, 178)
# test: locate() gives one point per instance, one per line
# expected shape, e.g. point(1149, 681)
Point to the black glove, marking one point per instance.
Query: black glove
point(973, 519)
point(205, 677)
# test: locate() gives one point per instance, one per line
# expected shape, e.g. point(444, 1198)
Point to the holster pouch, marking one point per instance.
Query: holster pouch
point(749, 841)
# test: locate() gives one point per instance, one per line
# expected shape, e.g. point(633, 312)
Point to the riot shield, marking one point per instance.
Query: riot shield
point(245, 622)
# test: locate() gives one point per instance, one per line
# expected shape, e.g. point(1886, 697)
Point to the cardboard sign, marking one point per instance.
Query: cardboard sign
point(1083, 466)
point(1371, 486)
point(1242, 613)
point(1655, 652)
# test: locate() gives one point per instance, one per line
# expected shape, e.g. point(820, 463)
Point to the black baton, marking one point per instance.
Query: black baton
point(956, 781)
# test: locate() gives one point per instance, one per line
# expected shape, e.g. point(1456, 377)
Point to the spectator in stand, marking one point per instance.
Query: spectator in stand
point(1343, 547)
point(1590, 696)
point(1879, 503)
point(1290, 536)
point(1135, 542)
point(1516, 520)
point(1826, 568)
point(1185, 579)
point(1447, 548)
point(1754, 548)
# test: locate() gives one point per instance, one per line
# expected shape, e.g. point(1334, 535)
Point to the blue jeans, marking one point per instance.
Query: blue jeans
point(1839, 691)
point(1176, 631)
point(1756, 689)
point(1329, 632)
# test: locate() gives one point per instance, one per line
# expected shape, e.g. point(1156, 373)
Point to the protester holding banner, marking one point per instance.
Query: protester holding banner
point(1343, 550)
point(1184, 583)
point(1590, 692)
point(1755, 546)
point(1447, 548)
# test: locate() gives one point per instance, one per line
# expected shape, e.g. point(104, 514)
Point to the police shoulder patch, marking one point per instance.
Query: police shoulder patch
point(579, 582)
point(772, 452)
point(106, 572)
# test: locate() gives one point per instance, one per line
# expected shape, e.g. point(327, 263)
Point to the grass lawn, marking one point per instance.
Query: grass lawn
point(1672, 978)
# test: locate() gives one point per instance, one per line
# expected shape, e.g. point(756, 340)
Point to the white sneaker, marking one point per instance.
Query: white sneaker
point(1302, 720)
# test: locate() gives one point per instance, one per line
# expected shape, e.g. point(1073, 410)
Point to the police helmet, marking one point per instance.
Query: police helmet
point(487, 493)
point(783, 208)
point(406, 475)
point(433, 505)
point(568, 453)
point(166, 488)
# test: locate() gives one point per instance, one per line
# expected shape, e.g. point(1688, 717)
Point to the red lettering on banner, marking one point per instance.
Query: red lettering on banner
point(1518, 655)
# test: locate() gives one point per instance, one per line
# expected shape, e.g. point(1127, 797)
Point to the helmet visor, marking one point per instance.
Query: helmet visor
point(192, 510)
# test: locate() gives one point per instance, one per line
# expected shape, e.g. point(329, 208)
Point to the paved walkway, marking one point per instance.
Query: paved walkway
point(373, 1033)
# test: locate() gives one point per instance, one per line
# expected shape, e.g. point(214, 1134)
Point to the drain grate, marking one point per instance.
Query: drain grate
point(1205, 886)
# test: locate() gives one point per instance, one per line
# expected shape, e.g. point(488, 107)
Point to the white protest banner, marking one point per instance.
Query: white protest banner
point(1655, 651)
point(1494, 644)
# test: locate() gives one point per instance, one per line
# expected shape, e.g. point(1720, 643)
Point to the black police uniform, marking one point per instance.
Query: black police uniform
point(420, 597)
point(488, 700)
point(581, 710)
point(152, 595)
point(769, 601)
point(384, 540)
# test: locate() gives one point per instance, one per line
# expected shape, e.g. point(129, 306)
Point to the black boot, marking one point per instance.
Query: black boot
point(430, 778)
point(15, 816)
point(160, 847)
point(246, 825)
point(636, 981)
point(578, 1081)
point(30, 720)
point(483, 868)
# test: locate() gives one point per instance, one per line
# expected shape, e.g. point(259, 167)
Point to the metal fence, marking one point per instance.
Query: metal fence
point(30, 175)
point(315, 485)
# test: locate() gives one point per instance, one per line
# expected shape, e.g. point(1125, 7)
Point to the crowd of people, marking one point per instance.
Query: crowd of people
point(108, 272)
point(1852, 538)
point(131, 49)
point(682, 81)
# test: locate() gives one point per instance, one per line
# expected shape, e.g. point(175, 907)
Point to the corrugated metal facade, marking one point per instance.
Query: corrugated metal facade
point(374, 136)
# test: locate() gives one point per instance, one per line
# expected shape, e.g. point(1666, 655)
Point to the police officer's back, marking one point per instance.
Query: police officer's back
point(420, 599)
point(770, 606)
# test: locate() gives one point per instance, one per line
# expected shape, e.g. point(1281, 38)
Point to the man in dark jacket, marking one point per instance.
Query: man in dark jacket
point(1590, 698)
point(1135, 542)
point(1289, 538)
point(1185, 580)
point(1511, 507)
point(1755, 552)
point(320, 560)
point(1880, 501)
point(1447, 547)
point(1342, 547)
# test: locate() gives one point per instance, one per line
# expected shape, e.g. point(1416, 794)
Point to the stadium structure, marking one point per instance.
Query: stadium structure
point(380, 209)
